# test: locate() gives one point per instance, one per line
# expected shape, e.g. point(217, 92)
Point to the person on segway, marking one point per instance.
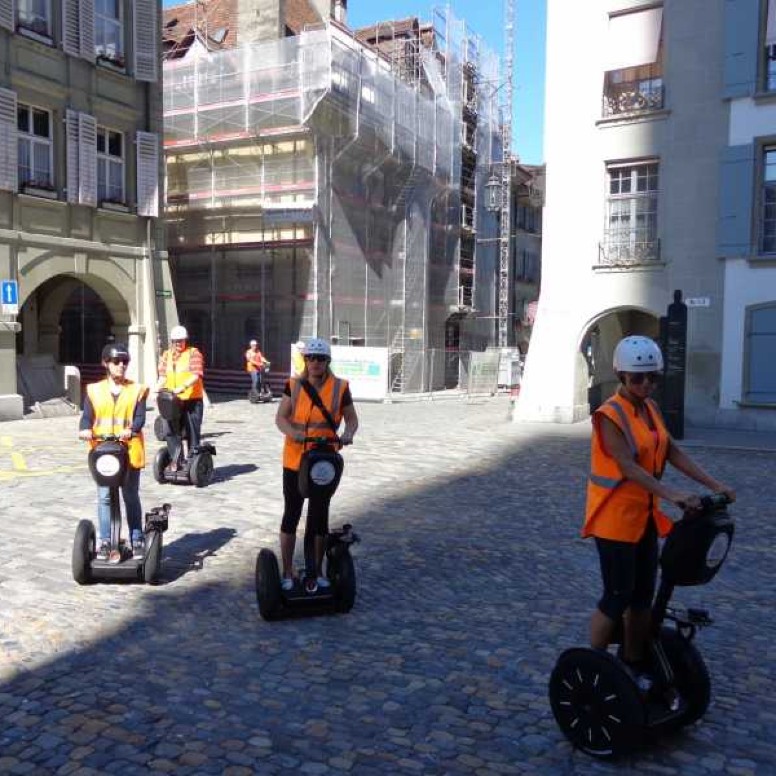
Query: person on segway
point(116, 406)
point(631, 447)
point(313, 405)
point(181, 371)
point(255, 365)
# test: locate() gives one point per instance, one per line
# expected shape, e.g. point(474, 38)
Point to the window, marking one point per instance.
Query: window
point(108, 31)
point(768, 215)
point(631, 215)
point(34, 16)
point(770, 47)
point(35, 147)
point(760, 366)
point(110, 166)
point(634, 79)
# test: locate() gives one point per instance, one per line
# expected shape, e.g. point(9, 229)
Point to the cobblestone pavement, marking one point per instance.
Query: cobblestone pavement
point(471, 576)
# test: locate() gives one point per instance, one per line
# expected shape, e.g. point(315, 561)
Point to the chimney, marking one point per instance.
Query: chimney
point(341, 11)
point(260, 20)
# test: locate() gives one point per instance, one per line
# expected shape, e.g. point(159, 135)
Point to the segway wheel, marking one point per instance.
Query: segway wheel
point(161, 462)
point(160, 428)
point(83, 551)
point(691, 675)
point(152, 563)
point(201, 470)
point(342, 573)
point(268, 585)
point(596, 704)
point(253, 396)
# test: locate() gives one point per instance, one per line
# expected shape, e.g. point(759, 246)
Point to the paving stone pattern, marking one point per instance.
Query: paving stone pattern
point(471, 578)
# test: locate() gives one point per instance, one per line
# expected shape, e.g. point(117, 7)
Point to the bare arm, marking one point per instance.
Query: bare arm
point(283, 420)
point(679, 459)
point(615, 444)
point(351, 424)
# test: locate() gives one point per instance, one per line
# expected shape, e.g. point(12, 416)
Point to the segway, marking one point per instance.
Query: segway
point(264, 394)
point(187, 465)
point(321, 471)
point(594, 696)
point(109, 465)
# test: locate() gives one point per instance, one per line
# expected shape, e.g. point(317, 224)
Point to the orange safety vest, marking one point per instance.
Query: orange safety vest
point(254, 360)
point(307, 419)
point(178, 374)
point(112, 414)
point(617, 508)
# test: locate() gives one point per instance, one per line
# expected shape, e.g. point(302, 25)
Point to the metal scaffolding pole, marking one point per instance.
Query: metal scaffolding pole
point(506, 176)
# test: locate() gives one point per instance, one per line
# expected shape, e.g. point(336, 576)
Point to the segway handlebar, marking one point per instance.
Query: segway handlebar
point(324, 441)
point(710, 502)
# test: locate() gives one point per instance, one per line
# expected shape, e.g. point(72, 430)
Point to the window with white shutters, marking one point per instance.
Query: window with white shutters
point(110, 166)
point(8, 141)
point(78, 28)
point(147, 174)
point(146, 34)
point(109, 31)
point(7, 14)
point(86, 29)
point(34, 16)
point(35, 147)
point(87, 160)
point(71, 129)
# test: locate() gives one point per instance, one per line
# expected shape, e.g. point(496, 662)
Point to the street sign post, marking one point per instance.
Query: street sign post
point(9, 295)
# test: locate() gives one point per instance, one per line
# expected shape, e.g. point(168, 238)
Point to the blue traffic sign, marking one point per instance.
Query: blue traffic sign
point(10, 292)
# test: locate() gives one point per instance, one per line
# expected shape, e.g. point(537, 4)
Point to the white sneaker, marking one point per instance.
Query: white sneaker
point(287, 583)
point(323, 582)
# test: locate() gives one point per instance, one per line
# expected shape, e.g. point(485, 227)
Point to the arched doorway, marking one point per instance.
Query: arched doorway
point(596, 378)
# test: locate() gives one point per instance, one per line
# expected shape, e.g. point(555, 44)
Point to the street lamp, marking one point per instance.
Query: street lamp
point(493, 194)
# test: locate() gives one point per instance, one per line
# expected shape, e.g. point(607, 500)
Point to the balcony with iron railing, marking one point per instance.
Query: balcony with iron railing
point(633, 97)
point(628, 249)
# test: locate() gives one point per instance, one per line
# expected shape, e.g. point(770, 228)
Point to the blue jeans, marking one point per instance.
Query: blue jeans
point(255, 380)
point(130, 490)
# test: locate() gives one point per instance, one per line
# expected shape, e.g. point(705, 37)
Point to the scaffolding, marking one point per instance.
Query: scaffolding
point(314, 189)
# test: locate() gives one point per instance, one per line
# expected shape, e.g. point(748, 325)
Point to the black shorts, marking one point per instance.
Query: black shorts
point(317, 508)
point(629, 573)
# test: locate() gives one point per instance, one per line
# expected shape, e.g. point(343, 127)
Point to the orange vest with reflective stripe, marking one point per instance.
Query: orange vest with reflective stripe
point(112, 414)
point(254, 360)
point(307, 419)
point(178, 374)
point(617, 508)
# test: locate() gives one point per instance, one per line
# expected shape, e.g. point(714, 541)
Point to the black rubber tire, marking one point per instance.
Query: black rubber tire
point(201, 470)
point(342, 572)
point(152, 564)
point(268, 594)
point(253, 396)
point(83, 552)
point(161, 462)
point(160, 428)
point(596, 704)
point(691, 675)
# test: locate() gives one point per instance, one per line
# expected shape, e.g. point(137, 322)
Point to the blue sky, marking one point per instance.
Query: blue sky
point(486, 17)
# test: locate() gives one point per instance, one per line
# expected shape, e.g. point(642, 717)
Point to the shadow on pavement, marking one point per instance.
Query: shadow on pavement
point(226, 473)
point(188, 552)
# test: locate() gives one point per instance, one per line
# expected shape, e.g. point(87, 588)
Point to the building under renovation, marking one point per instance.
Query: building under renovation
point(325, 182)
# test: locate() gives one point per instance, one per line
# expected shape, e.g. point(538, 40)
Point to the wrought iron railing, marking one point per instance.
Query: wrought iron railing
point(633, 97)
point(627, 250)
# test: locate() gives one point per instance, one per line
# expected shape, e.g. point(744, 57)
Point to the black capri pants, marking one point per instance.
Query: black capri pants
point(629, 573)
point(317, 509)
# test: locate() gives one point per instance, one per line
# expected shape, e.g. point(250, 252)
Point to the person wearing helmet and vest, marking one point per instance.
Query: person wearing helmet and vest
point(116, 406)
point(181, 370)
point(297, 418)
point(631, 447)
point(255, 364)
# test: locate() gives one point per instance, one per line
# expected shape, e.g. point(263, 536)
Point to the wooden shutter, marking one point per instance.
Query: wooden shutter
point(72, 132)
point(9, 165)
point(86, 29)
point(147, 146)
point(7, 14)
point(145, 39)
point(736, 201)
point(741, 47)
point(71, 35)
point(87, 160)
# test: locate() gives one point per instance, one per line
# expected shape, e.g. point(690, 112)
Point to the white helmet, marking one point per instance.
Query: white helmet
point(317, 347)
point(299, 345)
point(637, 354)
point(178, 333)
point(253, 343)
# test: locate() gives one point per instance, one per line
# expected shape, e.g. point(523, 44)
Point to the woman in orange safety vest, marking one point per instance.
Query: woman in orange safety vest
point(116, 406)
point(255, 364)
point(297, 418)
point(630, 449)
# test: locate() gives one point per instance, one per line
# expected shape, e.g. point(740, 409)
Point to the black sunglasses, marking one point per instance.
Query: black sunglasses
point(315, 358)
point(124, 361)
point(638, 378)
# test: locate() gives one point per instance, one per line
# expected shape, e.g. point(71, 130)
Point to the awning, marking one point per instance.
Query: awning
point(633, 39)
point(770, 29)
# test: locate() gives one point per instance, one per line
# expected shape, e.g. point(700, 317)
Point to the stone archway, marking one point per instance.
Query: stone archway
point(595, 378)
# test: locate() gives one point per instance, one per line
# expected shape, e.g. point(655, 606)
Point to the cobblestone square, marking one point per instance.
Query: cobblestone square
point(471, 579)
